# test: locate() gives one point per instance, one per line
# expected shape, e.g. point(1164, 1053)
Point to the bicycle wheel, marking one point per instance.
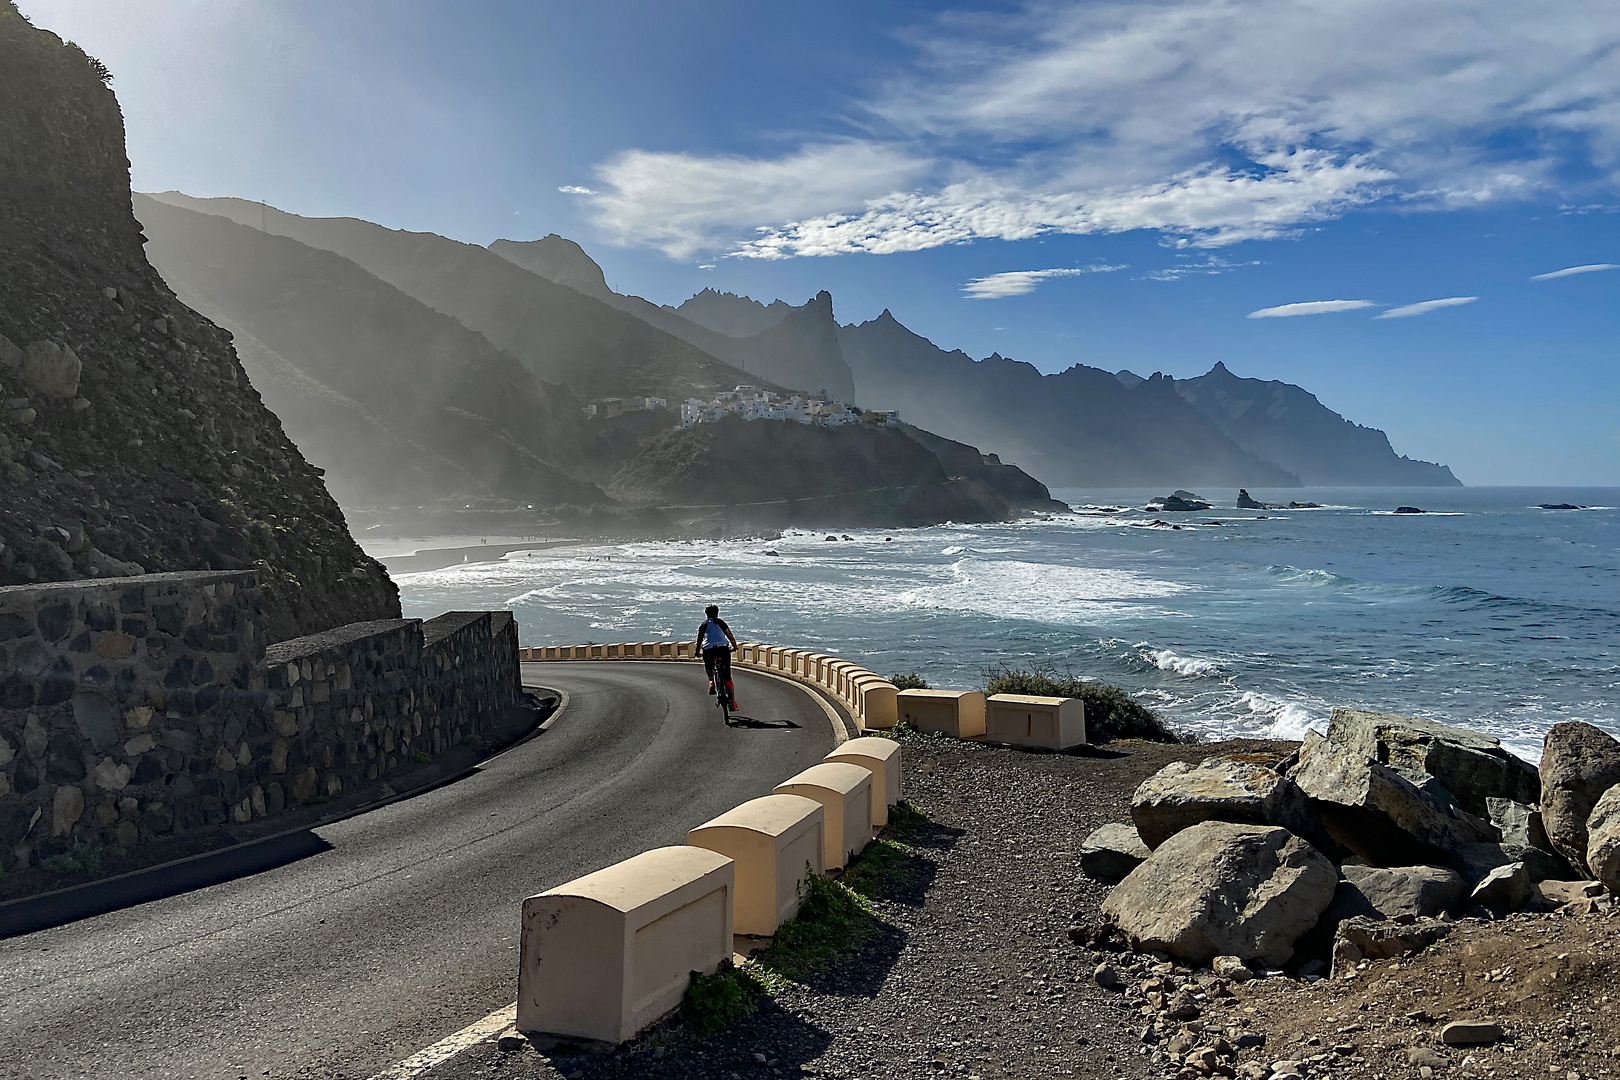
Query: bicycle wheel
point(725, 703)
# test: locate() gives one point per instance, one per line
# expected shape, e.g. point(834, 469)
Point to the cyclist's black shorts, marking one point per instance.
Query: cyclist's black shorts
point(717, 662)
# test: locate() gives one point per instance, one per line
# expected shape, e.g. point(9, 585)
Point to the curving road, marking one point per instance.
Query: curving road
point(406, 930)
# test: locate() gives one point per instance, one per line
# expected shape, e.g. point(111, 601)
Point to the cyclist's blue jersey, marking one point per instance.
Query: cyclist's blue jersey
point(714, 634)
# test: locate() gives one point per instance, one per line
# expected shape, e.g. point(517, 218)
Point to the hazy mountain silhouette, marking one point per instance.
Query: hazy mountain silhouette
point(797, 348)
point(392, 398)
point(1079, 428)
point(730, 314)
point(560, 334)
point(1283, 423)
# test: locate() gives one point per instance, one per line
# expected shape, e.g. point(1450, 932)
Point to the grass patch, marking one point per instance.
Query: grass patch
point(81, 858)
point(421, 757)
point(1111, 712)
point(834, 920)
point(908, 681)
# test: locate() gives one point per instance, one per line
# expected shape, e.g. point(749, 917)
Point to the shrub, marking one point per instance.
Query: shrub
point(1111, 712)
point(909, 681)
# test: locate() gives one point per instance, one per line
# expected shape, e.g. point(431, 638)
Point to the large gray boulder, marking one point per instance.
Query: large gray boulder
point(1505, 889)
point(1217, 789)
point(1578, 764)
point(1112, 852)
point(1222, 889)
point(1477, 860)
point(1419, 891)
point(50, 370)
point(1378, 812)
point(1472, 766)
point(1603, 840)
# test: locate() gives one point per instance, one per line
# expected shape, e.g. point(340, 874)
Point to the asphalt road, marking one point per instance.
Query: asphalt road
point(406, 930)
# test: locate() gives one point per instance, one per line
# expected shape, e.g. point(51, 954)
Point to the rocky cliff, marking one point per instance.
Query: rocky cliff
point(130, 438)
point(1286, 424)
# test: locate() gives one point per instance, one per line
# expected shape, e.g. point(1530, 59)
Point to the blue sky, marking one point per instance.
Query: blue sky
point(1110, 183)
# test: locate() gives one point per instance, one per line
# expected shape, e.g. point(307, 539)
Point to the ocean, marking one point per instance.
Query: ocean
point(1486, 611)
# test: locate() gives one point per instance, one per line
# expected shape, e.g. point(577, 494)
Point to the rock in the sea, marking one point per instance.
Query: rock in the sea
point(1603, 840)
point(1375, 811)
point(1505, 889)
point(1246, 502)
point(1473, 767)
point(1217, 789)
point(1179, 502)
point(1220, 889)
point(1112, 852)
point(1578, 764)
point(51, 370)
point(1410, 510)
point(1419, 891)
point(1374, 939)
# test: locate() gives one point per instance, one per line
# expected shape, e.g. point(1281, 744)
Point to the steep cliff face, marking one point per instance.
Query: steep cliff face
point(130, 438)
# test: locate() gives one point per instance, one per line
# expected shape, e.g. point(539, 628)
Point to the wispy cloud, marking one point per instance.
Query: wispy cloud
point(1425, 306)
point(1020, 282)
point(1208, 265)
point(1208, 121)
point(575, 189)
point(1310, 307)
point(1571, 271)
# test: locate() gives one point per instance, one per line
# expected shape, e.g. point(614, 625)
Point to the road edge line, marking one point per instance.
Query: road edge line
point(452, 1045)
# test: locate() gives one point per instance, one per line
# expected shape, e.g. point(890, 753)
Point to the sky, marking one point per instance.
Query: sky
point(1409, 207)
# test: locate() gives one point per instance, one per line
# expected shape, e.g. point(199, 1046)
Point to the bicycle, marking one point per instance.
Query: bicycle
point(723, 697)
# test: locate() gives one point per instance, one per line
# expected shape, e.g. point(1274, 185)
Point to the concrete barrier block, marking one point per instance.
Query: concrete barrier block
point(958, 713)
point(683, 650)
point(845, 794)
point(772, 840)
point(877, 703)
point(609, 953)
point(1053, 723)
point(595, 652)
point(881, 758)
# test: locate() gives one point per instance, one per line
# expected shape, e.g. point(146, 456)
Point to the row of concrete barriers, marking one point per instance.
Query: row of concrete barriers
point(1050, 723)
point(608, 954)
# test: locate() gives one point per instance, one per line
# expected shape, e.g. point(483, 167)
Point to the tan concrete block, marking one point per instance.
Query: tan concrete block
point(880, 757)
point(609, 953)
point(845, 793)
point(772, 840)
point(958, 713)
point(877, 703)
point(1053, 723)
point(683, 650)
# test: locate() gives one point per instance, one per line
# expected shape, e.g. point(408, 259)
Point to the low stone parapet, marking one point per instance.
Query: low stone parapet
point(957, 713)
point(1050, 723)
point(881, 758)
point(609, 953)
point(777, 841)
point(845, 793)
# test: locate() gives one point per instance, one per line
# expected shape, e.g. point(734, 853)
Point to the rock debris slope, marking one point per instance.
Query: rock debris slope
point(130, 438)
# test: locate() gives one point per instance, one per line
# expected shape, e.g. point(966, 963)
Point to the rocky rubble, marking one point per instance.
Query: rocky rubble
point(1367, 844)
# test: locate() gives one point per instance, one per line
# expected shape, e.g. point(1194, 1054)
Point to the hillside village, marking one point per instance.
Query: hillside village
point(754, 403)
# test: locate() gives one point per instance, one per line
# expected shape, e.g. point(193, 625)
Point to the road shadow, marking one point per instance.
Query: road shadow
point(157, 883)
point(740, 721)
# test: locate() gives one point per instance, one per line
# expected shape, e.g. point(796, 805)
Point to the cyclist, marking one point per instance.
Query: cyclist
point(712, 638)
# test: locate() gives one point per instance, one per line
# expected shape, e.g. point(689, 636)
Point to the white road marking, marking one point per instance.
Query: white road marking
point(489, 1027)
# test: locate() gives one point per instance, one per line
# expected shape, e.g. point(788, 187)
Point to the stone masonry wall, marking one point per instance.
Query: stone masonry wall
point(137, 708)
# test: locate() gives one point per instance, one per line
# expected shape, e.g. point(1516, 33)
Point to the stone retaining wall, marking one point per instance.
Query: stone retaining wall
point(136, 708)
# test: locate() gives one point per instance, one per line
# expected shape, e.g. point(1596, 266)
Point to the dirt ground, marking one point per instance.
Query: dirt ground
point(973, 974)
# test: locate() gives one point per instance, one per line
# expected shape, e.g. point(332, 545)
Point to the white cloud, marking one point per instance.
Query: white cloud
point(1571, 271)
point(1210, 121)
point(1020, 282)
point(1208, 265)
point(1425, 306)
point(575, 189)
point(1310, 307)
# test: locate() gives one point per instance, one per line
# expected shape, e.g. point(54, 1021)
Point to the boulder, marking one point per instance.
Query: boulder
point(1377, 812)
point(1371, 939)
point(1112, 852)
point(1520, 824)
point(1603, 840)
point(1473, 767)
point(1578, 764)
point(51, 370)
point(1505, 889)
point(1477, 860)
point(11, 357)
point(1222, 889)
point(1217, 789)
point(1231, 968)
point(1422, 892)
point(1552, 894)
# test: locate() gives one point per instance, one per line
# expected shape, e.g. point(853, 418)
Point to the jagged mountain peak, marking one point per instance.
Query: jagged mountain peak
point(558, 259)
